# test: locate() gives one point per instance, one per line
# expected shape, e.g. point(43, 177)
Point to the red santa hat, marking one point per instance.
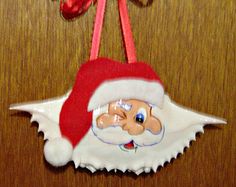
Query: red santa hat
point(98, 83)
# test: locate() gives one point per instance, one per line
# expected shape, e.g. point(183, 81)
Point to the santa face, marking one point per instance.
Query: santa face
point(127, 134)
point(175, 126)
point(127, 123)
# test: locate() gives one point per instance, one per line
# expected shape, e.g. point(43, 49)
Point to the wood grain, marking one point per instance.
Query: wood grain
point(192, 46)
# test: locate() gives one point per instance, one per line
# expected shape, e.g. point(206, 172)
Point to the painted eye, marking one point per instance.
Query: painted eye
point(141, 115)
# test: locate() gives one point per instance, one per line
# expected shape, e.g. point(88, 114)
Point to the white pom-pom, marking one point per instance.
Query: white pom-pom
point(58, 151)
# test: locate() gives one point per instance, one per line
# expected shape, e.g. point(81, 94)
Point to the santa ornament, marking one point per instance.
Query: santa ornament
point(117, 115)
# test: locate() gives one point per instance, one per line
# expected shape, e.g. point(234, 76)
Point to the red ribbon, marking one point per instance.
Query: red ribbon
point(127, 33)
point(97, 29)
point(73, 8)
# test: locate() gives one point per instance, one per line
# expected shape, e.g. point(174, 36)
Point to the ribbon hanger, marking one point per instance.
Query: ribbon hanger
point(73, 8)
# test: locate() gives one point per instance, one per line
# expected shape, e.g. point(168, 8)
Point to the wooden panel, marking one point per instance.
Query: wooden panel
point(192, 46)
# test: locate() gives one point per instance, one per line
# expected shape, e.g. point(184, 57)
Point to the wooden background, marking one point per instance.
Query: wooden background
point(190, 43)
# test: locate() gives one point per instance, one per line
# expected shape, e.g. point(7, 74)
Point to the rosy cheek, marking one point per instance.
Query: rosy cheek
point(106, 120)
point(154, 125)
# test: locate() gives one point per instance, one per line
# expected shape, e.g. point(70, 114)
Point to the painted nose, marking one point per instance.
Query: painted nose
point(133, 129)
point(135, 126)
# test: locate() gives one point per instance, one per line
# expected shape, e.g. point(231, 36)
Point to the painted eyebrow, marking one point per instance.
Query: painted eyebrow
point(124, 105)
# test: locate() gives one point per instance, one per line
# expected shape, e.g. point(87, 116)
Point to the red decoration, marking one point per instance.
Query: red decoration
point(73, 8)
point(75, 120)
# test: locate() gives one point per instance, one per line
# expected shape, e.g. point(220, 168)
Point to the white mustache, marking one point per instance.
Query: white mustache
point(115, 135)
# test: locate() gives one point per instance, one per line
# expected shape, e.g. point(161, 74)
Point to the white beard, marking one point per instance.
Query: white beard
point(180, 126)
point(97, 155)
point(116, 136)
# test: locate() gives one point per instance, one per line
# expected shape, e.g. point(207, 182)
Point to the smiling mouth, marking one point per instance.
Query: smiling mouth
point(129, 146)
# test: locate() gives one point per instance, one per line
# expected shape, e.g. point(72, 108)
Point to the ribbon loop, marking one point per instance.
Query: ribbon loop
point(73, 8)
point(127, 33)
point(97, 29)
point(126, 30)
